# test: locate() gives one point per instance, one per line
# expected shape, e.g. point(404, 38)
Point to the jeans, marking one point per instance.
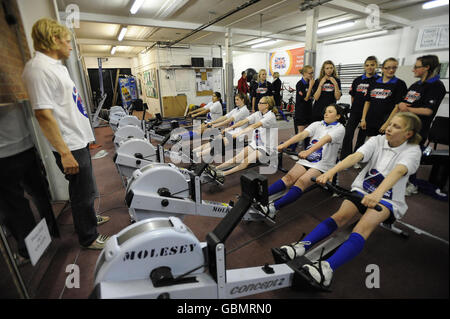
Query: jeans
point(82, 191)
point(19, 173)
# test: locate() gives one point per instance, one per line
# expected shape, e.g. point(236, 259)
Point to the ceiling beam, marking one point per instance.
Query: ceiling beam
point(108, 55)
point(356, 8)
point(126, 43)
point(145, 22)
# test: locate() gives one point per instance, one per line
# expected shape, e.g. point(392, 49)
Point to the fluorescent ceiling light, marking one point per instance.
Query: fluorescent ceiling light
point(356, 37)
point(264, 44)
point(336, 27)
point(136, 6)
point(122, 33)
point(259, 40)
point(169, 7)
point(434, 4)
point(113, 50)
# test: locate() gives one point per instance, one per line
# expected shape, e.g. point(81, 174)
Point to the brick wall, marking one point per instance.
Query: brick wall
point(11, 63)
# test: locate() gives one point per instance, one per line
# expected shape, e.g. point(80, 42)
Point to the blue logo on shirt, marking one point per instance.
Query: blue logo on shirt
point(77, 99)
point(315, 156)
point(258, 139)
point(372, 180)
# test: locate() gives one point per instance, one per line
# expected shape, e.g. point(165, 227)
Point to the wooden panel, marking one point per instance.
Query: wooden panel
point(138, 114)
point(174, 106)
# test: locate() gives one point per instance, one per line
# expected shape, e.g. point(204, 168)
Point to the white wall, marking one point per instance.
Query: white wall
point(157, 58)
point(245, 60)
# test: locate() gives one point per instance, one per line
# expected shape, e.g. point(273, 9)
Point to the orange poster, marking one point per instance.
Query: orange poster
point(287, 62)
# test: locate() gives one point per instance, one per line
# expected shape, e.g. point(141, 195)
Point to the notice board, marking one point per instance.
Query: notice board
point(204, 82)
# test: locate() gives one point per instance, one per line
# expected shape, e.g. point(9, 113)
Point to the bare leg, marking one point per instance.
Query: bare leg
point(345, 213)
point(251, 157)
point(370, 220)
point(232, 161)
point(305, 180)
point(293, 175)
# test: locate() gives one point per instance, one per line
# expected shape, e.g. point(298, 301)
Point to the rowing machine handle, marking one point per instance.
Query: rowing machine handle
point(377, 207)
point(166, 138)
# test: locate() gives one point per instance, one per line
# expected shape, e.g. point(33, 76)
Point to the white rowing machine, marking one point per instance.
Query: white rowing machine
point(160, 189)
point(161, 258)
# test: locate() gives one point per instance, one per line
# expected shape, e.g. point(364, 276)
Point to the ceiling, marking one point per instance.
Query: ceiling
point(101, 21)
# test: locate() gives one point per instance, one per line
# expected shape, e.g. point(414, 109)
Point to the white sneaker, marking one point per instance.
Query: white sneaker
point(268, 211)
point(322, 273)
point(357, 166)
point(295, 249)
point(411, 189)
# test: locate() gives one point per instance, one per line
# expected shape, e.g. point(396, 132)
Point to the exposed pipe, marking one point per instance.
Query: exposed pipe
point(311, 4)
point(204, 26)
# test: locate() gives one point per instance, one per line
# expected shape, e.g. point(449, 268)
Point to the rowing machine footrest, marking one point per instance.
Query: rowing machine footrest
point(162, 276)
point(200, 168)
point(280, 256)
point(302, 280)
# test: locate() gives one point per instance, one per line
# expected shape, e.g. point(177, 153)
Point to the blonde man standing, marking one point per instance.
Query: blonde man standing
point(64, 121)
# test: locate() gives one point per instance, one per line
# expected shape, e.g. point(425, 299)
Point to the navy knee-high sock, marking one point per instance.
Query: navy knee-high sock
point(323, 230)
point(292, 195)
point(347, 251)
point(277, 187)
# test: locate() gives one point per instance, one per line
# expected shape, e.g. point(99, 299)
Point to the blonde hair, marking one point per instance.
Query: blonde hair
point(259, 74)
point(276, 75)
point(271, 102)
point(413, 123)
point(45, 31)
point(305, 68)
point(322, 69)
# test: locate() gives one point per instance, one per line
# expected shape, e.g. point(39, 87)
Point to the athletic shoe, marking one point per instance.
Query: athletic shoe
point(411, 189)
point(267, 211)
point(321, 272)
point(215, 174)
point(99, 243)
point(296, 249)
point(102, 219)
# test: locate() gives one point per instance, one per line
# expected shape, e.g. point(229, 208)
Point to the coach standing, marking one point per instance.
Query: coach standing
point(64, 121)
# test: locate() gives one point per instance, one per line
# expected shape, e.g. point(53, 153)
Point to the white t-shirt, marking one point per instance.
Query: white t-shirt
point(326, 157)
point(381, 160)
point(50, 87)
point(238, 114)
point(264, 138)
point(215, 111)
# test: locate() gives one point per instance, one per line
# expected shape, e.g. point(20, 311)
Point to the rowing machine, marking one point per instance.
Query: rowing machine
point(163, 189)
point(327, 247)
point(126, 132)
point(116, 113)
point(161, 258)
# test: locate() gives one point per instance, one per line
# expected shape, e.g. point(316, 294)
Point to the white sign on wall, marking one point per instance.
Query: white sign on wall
point(432, 38)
